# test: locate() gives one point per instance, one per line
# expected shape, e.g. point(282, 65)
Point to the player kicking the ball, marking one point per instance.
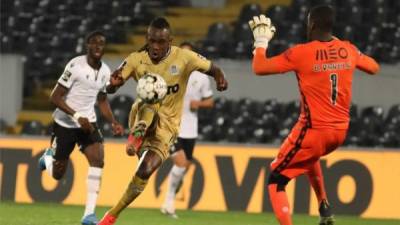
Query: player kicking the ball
point(79, 87)
point(154, 127)
point(324, 69)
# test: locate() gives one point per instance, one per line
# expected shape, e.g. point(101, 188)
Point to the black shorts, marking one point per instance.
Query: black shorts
point(63, 140)
point(187, 144)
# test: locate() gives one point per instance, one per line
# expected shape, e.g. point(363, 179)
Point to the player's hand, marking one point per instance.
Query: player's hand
point(263, 30)
point(221, 82)
point(117, 128)
point(194, 105)
point(86, 125)
point(116, 79)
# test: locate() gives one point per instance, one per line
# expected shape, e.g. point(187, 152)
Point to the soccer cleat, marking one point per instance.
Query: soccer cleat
point(89, 219)
point(42, 162)
point(168, 212)
point(108, 219)
point(326, 217)
point(326, 220)
point(135, 139)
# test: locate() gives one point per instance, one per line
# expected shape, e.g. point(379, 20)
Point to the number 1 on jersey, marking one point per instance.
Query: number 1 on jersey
point(334, 91)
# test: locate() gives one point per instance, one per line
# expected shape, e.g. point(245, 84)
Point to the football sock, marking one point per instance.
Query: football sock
point(48, 161)
point(316, 179)
point(280, 204)
point(135, 187)
point(175, 177)
point(146, 113)
point(93, 186)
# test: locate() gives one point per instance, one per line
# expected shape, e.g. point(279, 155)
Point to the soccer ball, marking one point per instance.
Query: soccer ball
point(151, 88)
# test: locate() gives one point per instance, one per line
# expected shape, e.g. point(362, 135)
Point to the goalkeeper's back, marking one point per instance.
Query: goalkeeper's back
point(325, 72)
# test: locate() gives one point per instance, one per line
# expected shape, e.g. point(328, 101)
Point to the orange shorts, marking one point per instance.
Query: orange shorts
point(303, 147)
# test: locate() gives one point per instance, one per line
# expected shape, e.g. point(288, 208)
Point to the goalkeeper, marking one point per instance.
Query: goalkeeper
point(154, 127)
point(324, 69)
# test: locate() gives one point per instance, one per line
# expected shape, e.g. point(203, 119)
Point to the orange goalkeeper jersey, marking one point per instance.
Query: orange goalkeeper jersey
point(324, 71)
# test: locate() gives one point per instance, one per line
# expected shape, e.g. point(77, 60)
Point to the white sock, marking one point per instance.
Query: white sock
point(48, 161)
point(175, 176)
point(93, 187)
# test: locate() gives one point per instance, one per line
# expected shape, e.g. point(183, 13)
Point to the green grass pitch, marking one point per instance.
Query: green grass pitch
point(48, 213)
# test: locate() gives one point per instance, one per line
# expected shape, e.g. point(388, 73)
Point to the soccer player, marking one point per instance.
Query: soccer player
point(198, 95)
point(324, 69)
point(154, 127)
point(79, 87)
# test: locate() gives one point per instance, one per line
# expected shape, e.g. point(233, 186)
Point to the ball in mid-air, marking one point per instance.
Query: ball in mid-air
point(151, 88)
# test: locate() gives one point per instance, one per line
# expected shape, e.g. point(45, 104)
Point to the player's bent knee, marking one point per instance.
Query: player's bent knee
point(280, 180)
point(59, 168)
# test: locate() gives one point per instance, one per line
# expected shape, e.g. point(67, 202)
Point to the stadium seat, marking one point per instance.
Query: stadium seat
point(248, 11)
point(123, 102)
point(394, 111)
point(218, 38)
point(121, 115)
point(3, 126)
point(32, 128)
point(277, 13)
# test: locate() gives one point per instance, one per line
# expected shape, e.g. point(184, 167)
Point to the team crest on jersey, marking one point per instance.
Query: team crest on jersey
point(174, 70)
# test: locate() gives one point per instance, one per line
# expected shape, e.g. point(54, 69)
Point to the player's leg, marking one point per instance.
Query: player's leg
point(55, 159)
point(316, 179)
point(277, 194)
point(294, 158)
point(148, 163)
point(92, 147)
point(175, 176)
point(140, 119)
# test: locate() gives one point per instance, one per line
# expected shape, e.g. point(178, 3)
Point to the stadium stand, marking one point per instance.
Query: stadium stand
point(377, 23)
point(49, 33)
point(267, 121)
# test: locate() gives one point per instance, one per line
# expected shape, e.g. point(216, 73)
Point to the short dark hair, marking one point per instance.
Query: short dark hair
point(160, 23)
point(187, 43)
point(323, 16)
point(94, 33)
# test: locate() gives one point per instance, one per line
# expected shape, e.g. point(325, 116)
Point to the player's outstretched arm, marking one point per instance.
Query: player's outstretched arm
point(115, 82)
point(105, 110)
point(218, 74)
point(263, 32)
point(367, 64)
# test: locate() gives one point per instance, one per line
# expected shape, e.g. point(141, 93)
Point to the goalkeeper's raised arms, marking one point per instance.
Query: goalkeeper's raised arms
point(263, 30)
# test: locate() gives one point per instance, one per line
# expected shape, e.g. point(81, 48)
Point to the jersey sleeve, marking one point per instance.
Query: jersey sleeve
point(278, 64)
point(196, 62)
point(129, 66)
point(365, 63)
point(206, 91)
point(68, 77)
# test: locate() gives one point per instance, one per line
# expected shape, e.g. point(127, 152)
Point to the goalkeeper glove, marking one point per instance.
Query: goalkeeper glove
point(263, 30)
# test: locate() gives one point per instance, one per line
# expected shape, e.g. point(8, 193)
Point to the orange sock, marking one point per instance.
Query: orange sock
point(280, 204)
point(316, 179)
